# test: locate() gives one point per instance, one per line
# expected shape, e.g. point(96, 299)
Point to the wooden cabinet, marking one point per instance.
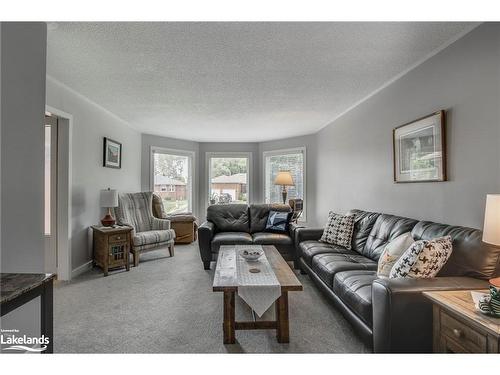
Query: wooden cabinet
point(112, 247)
point(459, 328)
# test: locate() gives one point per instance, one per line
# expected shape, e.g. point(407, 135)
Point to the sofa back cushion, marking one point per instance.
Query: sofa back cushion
point(229, 217)
point(363, 224)
point(470, 256)
point(385, 229)
point(260, 212)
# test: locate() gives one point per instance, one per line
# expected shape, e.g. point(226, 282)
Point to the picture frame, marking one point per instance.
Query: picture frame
point(419, 150)
point(112, 154)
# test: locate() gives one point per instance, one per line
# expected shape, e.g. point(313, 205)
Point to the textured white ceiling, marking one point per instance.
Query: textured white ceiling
point(235, 81)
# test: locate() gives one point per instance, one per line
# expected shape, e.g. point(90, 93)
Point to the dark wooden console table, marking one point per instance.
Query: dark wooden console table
point(16, 289)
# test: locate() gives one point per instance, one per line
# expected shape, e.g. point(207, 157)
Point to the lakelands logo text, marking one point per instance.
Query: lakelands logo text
point(22, 342)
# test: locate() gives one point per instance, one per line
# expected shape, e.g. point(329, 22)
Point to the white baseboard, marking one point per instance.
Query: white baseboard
point(81, 269)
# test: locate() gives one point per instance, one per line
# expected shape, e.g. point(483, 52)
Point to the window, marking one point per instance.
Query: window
point(172, 178)
point(292, 160)
point(228, 177)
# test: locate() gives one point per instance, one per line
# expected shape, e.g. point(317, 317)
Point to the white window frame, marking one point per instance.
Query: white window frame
point(285, 151)
point(211, 154)
point(191, 169)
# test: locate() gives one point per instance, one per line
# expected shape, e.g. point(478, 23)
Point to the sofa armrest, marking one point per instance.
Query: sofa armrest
point(161, 224)
point(402, 315)
point(206, 232)
point(307, 234)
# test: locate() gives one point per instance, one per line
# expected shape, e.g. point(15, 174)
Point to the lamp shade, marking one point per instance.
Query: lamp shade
point(284, 178)
point(109, 198)
point(491, 231)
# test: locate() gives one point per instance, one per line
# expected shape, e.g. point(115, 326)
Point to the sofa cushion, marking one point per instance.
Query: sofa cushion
point(363, 224)
point(327, 265)
point(229, 217)
point(338, 230)
point(392, 252)
point(153, 237)
point(266, 238)
point(230, 238)
point(385, 229)
point(260, 212)
point(278, 222)
point(308, 249)
point(423, 259)
point(354, 288)
point(471, 257)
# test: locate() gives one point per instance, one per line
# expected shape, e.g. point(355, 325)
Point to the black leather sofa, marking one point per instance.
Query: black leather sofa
point(392, 315)
point(240, 224)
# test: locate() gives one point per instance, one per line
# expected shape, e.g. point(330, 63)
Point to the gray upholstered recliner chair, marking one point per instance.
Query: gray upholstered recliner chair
point(149, 233)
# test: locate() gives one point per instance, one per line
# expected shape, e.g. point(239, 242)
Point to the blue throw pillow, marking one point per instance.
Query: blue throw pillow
point(278, 221)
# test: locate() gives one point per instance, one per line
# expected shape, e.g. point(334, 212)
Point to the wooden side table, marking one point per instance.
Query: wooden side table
point(459, 328)
point(112, 247)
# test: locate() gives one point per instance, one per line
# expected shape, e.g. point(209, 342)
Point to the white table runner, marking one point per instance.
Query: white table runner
point(258, 290)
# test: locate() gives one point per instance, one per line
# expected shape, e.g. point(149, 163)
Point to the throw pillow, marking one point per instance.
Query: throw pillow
point(278, 221)
point(423, 259)
point(338, 230)
point(392, 252)
point(158, 209)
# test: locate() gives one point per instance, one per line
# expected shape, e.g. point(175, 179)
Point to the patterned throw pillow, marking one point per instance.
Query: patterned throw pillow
point(424, 259)
point(338, 230)
point(392, 252)
point(278, 221)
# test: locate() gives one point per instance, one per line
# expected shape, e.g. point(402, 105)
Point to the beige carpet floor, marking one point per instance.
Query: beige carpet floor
point(166, 305)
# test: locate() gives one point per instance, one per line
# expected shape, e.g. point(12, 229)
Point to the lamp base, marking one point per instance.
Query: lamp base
point(283, 195)
point(108, 221)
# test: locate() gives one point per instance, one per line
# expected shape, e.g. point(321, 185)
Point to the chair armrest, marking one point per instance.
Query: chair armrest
point(205, 234)
point(161, 224)
point(307, 234)
point(402, 315)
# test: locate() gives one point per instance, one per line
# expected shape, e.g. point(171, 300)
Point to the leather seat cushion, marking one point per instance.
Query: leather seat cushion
point(354, 288)
point(230, 238)
point(229, 217)
point(386, 228)
point(152, 237)
point(266, 238)
point(308, 249)
point(327, 265)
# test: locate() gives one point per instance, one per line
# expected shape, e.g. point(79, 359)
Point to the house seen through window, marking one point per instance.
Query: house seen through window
point(172, 181)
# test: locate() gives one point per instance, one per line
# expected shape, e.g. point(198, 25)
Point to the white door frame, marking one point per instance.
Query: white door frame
point(64, 201)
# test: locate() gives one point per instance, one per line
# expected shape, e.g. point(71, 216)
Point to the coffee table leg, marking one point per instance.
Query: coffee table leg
point(282, 331)
point(229, 321)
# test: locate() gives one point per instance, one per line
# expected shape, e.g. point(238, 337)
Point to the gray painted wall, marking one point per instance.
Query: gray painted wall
point(354, 153)
point(23, 56)
point(90, 124)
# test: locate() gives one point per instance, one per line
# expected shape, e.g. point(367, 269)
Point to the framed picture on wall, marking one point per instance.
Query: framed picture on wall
point(420, 149)
point(112, 153)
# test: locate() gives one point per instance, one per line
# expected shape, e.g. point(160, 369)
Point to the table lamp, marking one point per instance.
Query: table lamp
point(109, 198)
point(284, 178)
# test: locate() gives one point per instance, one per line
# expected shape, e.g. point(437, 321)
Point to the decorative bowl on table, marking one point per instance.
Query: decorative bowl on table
point(251, 255)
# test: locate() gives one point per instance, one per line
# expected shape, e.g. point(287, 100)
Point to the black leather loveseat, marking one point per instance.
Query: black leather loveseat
point(392, 314)
point(240, 224)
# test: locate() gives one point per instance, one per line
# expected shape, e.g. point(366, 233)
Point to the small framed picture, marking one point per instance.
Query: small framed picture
point(112, 153)
point(420, 150)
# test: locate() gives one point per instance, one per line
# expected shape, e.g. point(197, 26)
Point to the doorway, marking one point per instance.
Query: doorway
point(50, 193)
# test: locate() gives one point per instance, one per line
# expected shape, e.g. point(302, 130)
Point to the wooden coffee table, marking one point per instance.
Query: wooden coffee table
point(225, 281)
